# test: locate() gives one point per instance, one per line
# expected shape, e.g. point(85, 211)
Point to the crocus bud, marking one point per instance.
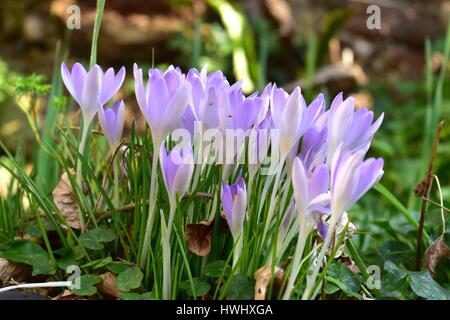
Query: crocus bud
point(177, 168)
point(91, 89)
point(234, 202)
point(112, 122)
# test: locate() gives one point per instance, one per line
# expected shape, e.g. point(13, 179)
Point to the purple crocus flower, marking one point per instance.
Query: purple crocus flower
point(112, 122)
point(234, 202)
point(352, 177)
point(353, 129)
point(291, 116)
point(163, 101)
point(311, 195)
point(177, 168)
point(91, 89)
point(237, 111)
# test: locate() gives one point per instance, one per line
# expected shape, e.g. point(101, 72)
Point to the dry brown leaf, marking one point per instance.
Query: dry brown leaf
point(11, 270)
point(64, 199)
point(198, 237)
point(435, 253)
point(263, 277)
point(109, 285)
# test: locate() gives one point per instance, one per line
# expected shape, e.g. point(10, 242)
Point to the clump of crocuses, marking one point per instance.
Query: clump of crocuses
point(296, 170)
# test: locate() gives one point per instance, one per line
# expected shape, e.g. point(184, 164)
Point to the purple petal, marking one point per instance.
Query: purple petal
point(371, 171)
point(319, 181)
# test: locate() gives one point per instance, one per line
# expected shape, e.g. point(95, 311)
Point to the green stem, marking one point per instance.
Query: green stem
point(97, 23)
point(237, 251)
point(79, 174)
point(151, 205)
point(296, 265)
point(167, 275)
point(116, 166)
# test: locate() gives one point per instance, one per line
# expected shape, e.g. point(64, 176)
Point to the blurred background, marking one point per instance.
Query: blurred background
point(323, 46)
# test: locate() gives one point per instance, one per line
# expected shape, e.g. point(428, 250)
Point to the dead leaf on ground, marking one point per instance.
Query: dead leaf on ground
point(435, 253)
point(199, 235)
point(64, 199)
point(263, 277)
point(109, 285)
point(11, 270)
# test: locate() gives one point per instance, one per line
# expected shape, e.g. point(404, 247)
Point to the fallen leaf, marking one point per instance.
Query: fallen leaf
point(198, 237)
point(12, 270)
point(109, 285)
point(435, 253)
point(263, 277)
point(64, 199)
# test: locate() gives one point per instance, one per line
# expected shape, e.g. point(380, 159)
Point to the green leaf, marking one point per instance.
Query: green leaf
point(346, 280)
point(425, 287)
point(97, 264)
point(130, 279)
point(331, 288)
point(217, 269)
point(394, 278)
point(201, 287)
point(66, 260)
point(241, 288)
point(136, 296)
point(130, 296)
point(95, 238)
point(87, 285)
point(117, 267)
point(33, 228)
point(29, 253)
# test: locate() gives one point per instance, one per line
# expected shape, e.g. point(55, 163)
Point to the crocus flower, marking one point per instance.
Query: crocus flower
point(311, 195)
point(177, 167)
point(291, 116)
point(353, 129)
point(234, 202)
point(237, 111)
point(163, 101)
point(91, 89)
point(112, 121)
point(351, 178)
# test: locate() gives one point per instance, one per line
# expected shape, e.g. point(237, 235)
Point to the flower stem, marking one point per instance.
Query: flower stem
point(151, 205)
point(334, 219)
point(116, 168)
point(79, 174)
point(167, 282)
point(296, 265)
point(272, 202)
point(237, 249)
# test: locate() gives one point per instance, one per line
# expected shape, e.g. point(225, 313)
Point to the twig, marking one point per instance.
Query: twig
point(436, 204)
point(423, 190)
point(130, 207)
